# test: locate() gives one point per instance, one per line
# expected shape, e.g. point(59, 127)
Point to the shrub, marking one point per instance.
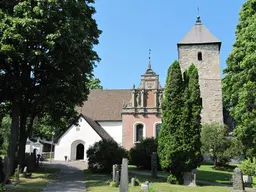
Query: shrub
point(248, 167)
point(104, 154)
point(113, 184)
point(140, 154)
point(172, 179)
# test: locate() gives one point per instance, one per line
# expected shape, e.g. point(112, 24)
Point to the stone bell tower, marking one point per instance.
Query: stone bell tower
point(200, 47)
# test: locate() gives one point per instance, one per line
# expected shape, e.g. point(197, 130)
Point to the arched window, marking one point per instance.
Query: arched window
point(158, 127)
point(199, 56)
point(139, 132)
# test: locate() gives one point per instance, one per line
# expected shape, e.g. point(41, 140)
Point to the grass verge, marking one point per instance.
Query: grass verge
point(39, 179)
point(99, 183)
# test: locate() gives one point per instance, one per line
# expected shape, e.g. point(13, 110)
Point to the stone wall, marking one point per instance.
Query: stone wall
point(209, 77)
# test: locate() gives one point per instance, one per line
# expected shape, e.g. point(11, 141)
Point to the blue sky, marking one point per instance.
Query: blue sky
point(131, 27)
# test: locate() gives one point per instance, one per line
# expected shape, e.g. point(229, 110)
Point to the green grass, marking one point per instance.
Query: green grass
point(97, 183)
point(39, 179)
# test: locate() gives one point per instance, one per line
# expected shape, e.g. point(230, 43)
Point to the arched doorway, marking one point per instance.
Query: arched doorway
point(80, 152)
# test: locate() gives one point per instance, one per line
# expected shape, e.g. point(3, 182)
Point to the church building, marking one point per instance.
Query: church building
point(128, 115)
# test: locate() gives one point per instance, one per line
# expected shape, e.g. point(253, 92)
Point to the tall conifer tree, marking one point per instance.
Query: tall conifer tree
point(179, 139)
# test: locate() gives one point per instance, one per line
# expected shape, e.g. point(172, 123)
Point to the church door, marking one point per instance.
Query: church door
point(80, 152)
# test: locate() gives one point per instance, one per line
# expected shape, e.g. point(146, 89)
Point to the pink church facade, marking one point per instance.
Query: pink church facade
point(141, 117)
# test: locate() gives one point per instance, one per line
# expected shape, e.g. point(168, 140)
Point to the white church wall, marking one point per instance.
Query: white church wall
point(114, 129)
point(82, 133)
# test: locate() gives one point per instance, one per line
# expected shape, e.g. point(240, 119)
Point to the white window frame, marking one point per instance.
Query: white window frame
point(135, 131)
point(154, 128)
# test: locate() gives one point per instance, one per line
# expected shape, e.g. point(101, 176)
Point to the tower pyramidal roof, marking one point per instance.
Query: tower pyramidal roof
point(199, 34)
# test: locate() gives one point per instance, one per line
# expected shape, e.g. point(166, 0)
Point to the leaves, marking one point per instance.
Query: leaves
point(240, 80)
point(179, 138)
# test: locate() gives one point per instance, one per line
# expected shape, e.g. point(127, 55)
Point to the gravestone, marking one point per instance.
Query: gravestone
point(247, 179)
point(133, 182)
point(124, 176)
point(17, 174)
point(6, 168)
point(25, 172)
point(114, 170)
point(190, 178)
point(238, 185)
point(154, 164)
point(145, 186)
point(117, 178)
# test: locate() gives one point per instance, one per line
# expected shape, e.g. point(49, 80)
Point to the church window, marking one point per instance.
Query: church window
point(139, 132)
point(199, 56)
point(158, 127)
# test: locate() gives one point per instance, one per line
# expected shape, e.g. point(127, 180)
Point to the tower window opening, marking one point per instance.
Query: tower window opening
point(199, 56)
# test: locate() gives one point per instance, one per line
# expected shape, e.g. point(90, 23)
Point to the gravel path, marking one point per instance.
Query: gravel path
point(71, 177)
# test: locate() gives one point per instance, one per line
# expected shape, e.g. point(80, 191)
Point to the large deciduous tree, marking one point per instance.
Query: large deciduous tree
point(47, 58)
point(239, 83)
point(179, 139)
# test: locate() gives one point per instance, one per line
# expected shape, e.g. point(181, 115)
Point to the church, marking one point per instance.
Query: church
point(128, 115)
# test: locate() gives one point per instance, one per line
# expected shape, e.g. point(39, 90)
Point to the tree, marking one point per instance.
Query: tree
point(168, 142)
point(215, 142)
point(179, 139)
point(239, 82)
point(47, 57)
point(94, 83)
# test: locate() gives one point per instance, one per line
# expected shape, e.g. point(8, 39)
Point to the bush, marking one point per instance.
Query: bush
point(172, 179)
point(103, 155)
point(113, 184)
point(140, 154)
point(248, 167)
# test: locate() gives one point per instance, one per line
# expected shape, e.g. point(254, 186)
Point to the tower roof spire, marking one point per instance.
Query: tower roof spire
point(149, 70)
point(198, 20)
point(149, 62)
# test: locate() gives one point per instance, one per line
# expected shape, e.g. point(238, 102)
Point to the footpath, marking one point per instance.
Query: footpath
point(70, 179)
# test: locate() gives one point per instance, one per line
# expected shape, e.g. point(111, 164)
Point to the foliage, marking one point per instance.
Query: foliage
point(113, 184)
point(179, 138)
point(47, 58)
point(104, 154)
point(5, 126)
point(140, 154)
point(239, 83)
point(215, 142)
point(94, 83)
point(248, 167)
point(172, 179)
point(136, 181)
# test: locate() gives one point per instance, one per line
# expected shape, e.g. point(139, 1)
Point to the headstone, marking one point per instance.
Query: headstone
point(145, 186)
point(238, 185)
point(190, 178)
point(117, 178)
point(17, 174)
point(133, 182)
point(247, 179)
point(154, 164)
point(124, 176)
point(114, 172)
point(6, 168)
point(25, 171)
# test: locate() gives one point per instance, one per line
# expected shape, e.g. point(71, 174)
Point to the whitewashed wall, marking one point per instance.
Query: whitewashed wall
point(67, 144)
point(114, 129)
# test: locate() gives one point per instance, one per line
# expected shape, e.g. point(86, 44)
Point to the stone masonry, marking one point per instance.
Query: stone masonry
point(209, 77)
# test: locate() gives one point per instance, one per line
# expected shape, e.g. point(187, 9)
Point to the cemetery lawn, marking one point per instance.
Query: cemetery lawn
point(39, 179)
point(98, 183)
point(204, 173)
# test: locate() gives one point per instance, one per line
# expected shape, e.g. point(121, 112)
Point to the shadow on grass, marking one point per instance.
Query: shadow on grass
point(217, 177)
point(96, 179)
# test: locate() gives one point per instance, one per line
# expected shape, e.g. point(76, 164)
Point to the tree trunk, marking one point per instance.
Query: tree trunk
point(22, 142)
point(14, 136)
